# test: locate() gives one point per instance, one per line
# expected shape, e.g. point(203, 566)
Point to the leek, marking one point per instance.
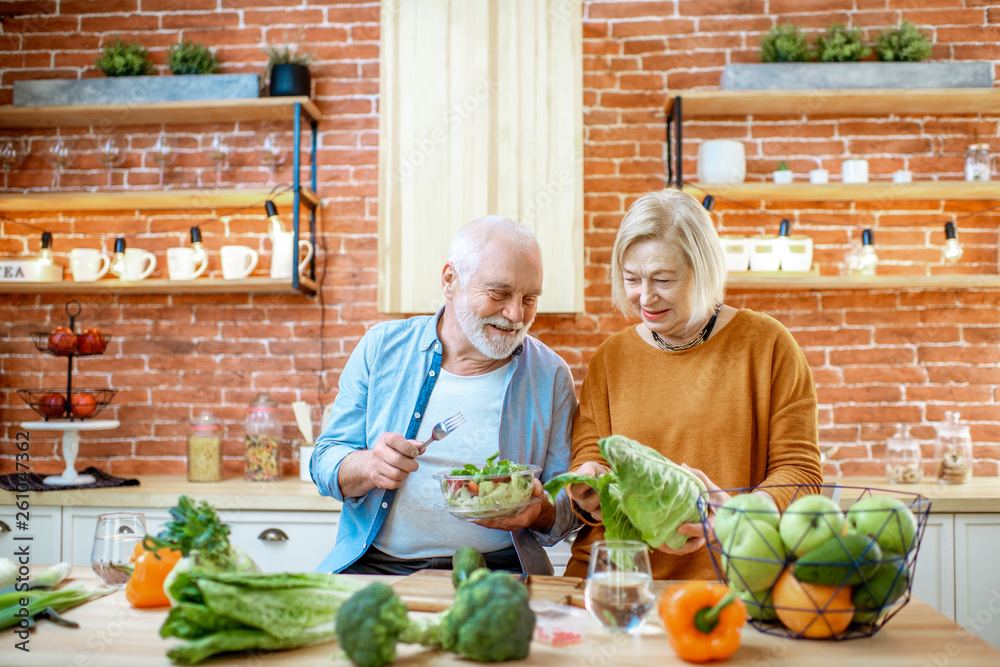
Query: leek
point(12, 609)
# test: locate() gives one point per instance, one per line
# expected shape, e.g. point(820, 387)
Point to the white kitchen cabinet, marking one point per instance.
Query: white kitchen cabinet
point(43, 527)
point(283, 541)
point(934, 578)
point(977, 577)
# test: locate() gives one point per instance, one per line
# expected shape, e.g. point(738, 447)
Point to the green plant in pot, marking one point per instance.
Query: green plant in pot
point(189, 58)
point(840, 44)
point(124, 59)
point(784, 43)
point(287, 70)
point(903, 43)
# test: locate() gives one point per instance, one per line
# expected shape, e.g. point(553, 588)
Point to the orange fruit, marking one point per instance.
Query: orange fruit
point(812, 610)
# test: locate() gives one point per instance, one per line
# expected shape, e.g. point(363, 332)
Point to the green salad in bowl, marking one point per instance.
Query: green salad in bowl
point(497, 489)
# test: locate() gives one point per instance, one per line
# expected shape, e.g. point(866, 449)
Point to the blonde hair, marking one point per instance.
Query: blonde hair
point(676, 219)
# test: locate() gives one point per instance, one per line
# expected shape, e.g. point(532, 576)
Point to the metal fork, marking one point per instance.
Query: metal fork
point(443, 428)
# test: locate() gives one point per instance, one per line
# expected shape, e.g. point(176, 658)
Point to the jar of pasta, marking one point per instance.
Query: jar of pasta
point(204, 451)
point(902, 458)
point(953, 450)
point(262, 440)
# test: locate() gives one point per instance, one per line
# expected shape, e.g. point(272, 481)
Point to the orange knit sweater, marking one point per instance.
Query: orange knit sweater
point(741, 407)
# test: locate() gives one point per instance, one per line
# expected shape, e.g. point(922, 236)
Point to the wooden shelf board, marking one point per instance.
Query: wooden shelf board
point(860, 102)
point(154, 113)
point(964, 282)
point(877, 191)
point(147, 200)
point(198, 286)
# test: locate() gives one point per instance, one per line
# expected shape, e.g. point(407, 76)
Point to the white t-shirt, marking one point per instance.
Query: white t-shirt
point(413, 527)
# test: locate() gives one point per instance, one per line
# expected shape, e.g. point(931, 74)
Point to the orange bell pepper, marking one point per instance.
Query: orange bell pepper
point(703, 620)
point(150, 569)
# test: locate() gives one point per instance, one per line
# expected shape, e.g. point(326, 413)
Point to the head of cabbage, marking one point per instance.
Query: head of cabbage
point(645, 497)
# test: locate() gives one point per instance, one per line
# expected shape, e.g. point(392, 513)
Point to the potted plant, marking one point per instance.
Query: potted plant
point(782, 175)
point(189, 58)
point(840, 44)
point(287, 70)
point(903, 43)
point(785, 56)
point(124, 59)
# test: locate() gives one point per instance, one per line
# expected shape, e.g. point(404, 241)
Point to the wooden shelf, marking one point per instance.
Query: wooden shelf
point(198, 286)
point(750, 281)
point(877, 191)
point(155, 113)
point(861, 102)
point(148, 200)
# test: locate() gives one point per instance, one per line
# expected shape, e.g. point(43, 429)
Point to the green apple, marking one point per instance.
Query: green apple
point(754, 556)
point(808, 522)
point(744, 507)
point(760, 606)
point(887, 519)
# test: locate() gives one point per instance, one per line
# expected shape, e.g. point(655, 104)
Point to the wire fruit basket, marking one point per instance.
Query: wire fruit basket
point(63, 342)
point(82, 404)
point(814, 571)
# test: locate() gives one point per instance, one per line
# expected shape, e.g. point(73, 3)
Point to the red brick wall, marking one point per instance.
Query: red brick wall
point(878, 356)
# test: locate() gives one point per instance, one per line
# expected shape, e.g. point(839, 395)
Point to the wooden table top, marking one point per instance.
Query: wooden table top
point(113, 634)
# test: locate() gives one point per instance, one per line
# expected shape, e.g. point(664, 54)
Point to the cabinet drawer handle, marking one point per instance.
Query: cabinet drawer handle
point(273, 535)
point(124, 529)
point(4, 528)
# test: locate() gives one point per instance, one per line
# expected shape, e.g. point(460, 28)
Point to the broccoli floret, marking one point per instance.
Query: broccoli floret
point(490, 621)
point(371, 622)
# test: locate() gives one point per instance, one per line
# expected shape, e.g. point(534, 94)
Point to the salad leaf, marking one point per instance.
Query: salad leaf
point(646, 496)
point(492, 467)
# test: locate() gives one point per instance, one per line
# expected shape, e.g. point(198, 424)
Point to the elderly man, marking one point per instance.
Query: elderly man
point(475, 357)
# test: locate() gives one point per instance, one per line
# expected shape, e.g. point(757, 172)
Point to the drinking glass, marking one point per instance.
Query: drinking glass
point(110, 152)
point(162, 153)
point(619, 591)
point(11, 152)
point(270, 153)
point(218, 154)
point(115, 538)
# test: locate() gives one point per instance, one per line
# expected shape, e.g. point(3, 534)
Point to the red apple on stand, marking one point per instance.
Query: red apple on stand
point(62, 341)
point(91, 341)
point(51, 405)
point(83, 405)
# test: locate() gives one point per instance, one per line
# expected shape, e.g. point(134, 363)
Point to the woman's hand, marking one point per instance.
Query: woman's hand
point(697, 530)
point(585, 496)
point(534, 516)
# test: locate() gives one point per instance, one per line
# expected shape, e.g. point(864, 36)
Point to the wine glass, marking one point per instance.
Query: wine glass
point(115, 538)
point(270, 153)
point(619, 590)
point(11, 154)
point(218, 154)
point(60, 155)
point(110, 152)
point(162, 153)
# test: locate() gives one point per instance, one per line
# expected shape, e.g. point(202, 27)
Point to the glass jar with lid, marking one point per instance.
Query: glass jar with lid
point(262, 440)
point(953, 450)
point(977, 162)
point(902, 457)
point(204, 450)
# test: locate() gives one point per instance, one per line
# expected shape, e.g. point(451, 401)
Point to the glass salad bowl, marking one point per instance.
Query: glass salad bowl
point(487, 495)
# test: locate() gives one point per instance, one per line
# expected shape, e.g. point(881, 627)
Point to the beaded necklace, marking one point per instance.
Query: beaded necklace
point(700, 338)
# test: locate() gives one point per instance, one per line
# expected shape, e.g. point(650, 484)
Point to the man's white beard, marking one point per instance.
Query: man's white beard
point(474, 328)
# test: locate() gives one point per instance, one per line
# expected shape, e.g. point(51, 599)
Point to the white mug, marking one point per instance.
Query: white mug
point(238, 261)
point(138, 264)
point(88, 265)
point(819, 176)
point(902, 176)
point(797, 253)
point(281, 254)
point(180, 263)
point(722, 161)
point(736, 248)
point(854, 171)
point(765, 252)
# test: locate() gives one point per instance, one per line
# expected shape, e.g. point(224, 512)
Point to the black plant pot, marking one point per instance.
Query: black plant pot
point(289, 80)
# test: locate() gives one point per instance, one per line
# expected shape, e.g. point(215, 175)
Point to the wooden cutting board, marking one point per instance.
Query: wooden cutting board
point(431, 590)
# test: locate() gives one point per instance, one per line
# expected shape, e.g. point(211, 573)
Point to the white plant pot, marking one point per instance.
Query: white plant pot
point(782, 176)
point(722, 161)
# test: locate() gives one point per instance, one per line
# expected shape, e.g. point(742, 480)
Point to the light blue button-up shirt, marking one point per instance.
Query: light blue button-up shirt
point(385, 386)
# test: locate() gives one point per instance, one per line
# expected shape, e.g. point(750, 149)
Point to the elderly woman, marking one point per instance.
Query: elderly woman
point(727, 392)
